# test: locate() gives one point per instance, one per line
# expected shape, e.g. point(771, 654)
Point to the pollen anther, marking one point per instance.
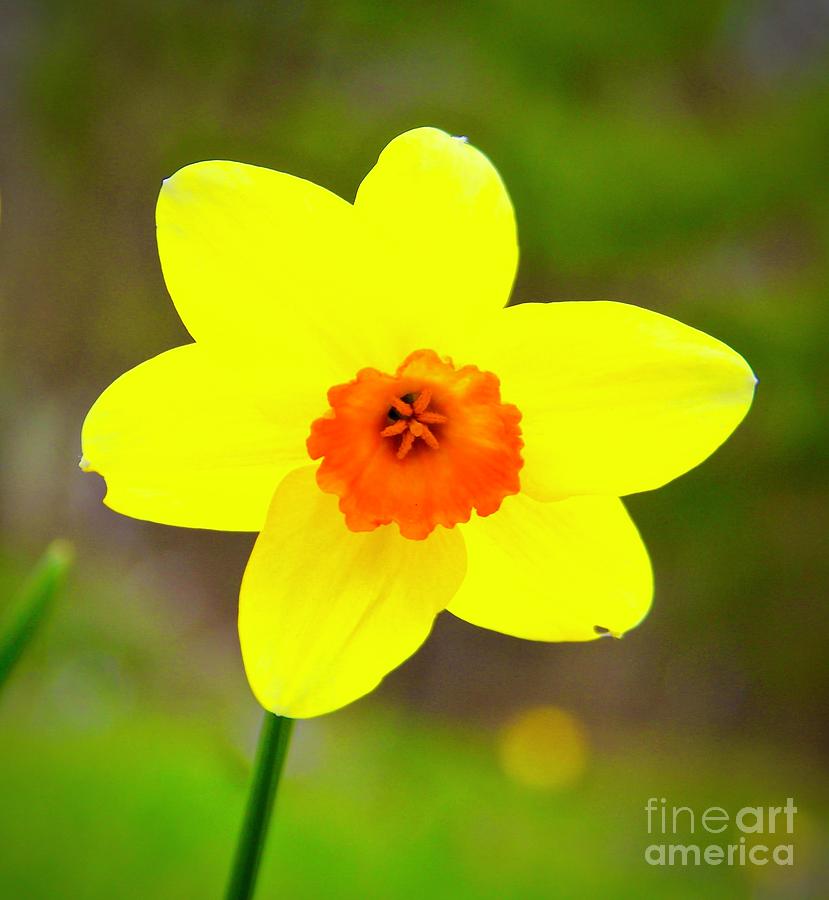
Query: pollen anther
point(411, 419)
point(397, 428)
point(401, 406)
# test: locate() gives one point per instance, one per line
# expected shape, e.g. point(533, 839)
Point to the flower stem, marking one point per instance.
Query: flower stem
point(270, 758)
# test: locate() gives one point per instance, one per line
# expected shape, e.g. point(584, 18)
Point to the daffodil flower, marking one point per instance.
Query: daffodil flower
point(358, 392)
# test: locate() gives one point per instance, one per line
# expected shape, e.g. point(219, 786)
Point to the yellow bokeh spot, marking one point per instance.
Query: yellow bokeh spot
point(544, 747)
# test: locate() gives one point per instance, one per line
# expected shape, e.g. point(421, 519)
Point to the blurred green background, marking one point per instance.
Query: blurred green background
point(672, 155)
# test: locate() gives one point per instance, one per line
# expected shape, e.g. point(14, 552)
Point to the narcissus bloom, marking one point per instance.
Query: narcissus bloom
point(358, 392)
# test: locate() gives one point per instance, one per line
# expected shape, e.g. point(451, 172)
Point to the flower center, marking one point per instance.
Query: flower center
point(422, 447)
point(411, 417)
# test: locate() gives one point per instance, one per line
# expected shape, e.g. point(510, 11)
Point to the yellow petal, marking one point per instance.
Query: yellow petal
point(441, 215)
point(324, 612)
point(254, 255)
point(197, 439)
point(615, 399)
point(566, 571)
point(251, 255)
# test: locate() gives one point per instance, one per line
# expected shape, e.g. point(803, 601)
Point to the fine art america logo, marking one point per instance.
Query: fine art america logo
point(758, 835)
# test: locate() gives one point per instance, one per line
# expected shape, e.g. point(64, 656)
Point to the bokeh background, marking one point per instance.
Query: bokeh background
point(672, 155)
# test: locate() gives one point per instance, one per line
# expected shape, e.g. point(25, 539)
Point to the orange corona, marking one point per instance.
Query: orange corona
point(420, 448)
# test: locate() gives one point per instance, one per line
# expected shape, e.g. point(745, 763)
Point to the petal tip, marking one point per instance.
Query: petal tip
point(603, 632)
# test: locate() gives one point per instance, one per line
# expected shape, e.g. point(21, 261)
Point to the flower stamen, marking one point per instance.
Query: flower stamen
point(401, 406)
point(422, 402)
point(397, 428)
point(405, 444)
point(428, 437)
point(411, 418)
point(432, 418)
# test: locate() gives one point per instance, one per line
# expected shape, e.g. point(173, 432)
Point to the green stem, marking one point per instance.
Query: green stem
point(25, 616)
point(270, 758)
